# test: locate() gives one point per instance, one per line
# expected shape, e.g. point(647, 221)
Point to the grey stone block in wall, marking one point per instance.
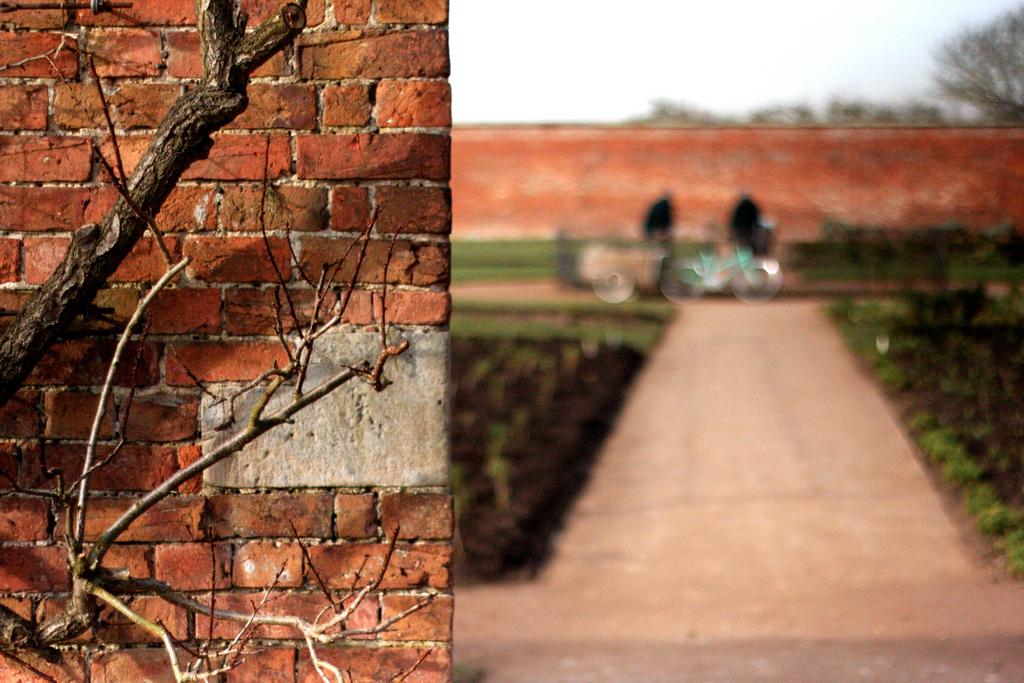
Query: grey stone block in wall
point(354, 436)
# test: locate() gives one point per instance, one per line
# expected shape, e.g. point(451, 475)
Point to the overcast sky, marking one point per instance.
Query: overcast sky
point(607, 60)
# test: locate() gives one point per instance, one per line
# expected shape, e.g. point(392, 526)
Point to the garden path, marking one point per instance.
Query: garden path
point(758, 514)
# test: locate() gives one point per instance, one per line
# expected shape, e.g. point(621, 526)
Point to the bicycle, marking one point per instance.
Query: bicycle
point(751, 278)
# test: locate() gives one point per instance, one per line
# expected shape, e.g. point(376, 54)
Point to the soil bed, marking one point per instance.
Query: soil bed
point(535, 389)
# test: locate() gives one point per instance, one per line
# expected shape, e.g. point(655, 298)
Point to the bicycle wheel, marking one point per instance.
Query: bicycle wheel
point(614, 286)
point(760, 281)
point(683, 282)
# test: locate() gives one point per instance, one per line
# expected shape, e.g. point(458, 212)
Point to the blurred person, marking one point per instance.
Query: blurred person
point(658, 224)
point(747, 230)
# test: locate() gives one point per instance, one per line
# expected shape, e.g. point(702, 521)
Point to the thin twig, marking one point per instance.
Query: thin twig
point(48, 55)
point(411, 671)
point(108, 384)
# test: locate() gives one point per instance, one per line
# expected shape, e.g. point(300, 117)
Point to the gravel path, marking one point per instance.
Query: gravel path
point(757, 515)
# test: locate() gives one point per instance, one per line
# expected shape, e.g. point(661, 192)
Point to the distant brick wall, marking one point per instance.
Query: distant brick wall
point(530, 181)
point(345, 129)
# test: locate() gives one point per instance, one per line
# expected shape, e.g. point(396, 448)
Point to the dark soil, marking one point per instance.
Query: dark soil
point(528, 417)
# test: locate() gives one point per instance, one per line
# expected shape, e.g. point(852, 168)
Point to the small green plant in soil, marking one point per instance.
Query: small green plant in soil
point(535, 389)
point(956, 361)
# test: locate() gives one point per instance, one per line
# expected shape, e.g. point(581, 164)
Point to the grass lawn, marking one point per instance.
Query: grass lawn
point(521, 260)
point(502, 260)
point(636, 324)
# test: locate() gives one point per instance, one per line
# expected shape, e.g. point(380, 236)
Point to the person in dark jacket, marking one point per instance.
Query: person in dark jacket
point(658, 224)
point(748, 230)
point(746, 220)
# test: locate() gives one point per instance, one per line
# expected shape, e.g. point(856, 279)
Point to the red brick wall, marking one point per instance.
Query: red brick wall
point(346, 129)
point(529, 181)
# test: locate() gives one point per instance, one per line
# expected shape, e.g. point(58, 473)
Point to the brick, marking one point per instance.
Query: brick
point(406, 104)
point(24, 519)
point(360, 308)
point(135, 467)
point(433, 622)
point(10, 455)
point(286, 105)
point(418, 515)
point(176, 519)
point(114, 627)
point(243, 157)
point(20, 606)
point(263, 564)
point(412, 566)
point(254, 311)
point(152, 418)
point(13, 453)
point(146, 262)
point(352, 12)
point(222, 361)
point(20, 417)
point(419, 308)
point(15, 47)
point(382, 664)
point(132, 149)
point(285, 207)
point(189, 208)
point(23, 107)
point(108, 312)
point(125, 52)
point(346, 104)
point(393, 156)
point(101, 201)
point(33, 568)
point(350, 209)
point(398, 54)
point(35, 18)
point(135, 559)
point(44, 159)
point(183, 60)
point(11, 302)
point(10, 260)
point(306, 605)
point(187, 455)
point(238, 259)
point(271, 665)
point(416, 263)
point(413, 209)
point(71, 667)
point(261, 10)
point(77, 105)
point(356, 515)
point(83, 362)
point(412, 11)
point(43, 208)
point(143, 665)
point(185, 311)
point(191, 566)
point(271, 515)
point(132, 105)
point(42, 256)
point(162, 13)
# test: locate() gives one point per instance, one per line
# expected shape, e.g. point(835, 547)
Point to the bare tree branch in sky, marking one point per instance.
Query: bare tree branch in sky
point(984, 67)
